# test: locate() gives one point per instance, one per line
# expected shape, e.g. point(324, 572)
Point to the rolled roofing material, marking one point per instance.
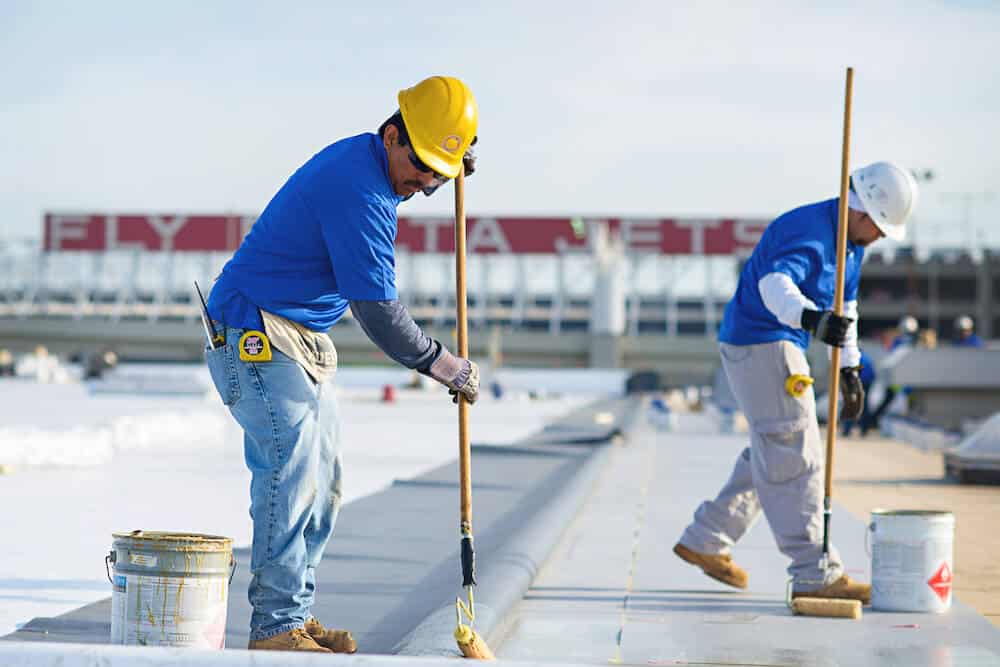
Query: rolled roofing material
point(980, 451)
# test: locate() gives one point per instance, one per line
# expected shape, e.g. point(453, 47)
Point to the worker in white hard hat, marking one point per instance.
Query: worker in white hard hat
point(965, 335)
point(784, 297)
point(325, 243)
point(906, 334)
point(908, 337)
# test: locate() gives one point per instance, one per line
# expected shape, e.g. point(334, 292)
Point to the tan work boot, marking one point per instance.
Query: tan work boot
point(844, 588)
point(719, 567)
point(296, 639)
point(338, 641)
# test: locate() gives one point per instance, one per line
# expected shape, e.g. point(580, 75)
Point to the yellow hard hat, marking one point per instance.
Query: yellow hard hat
point(441, 118)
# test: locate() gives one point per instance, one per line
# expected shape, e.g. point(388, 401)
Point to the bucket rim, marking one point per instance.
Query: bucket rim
point(166, 536)
point(924, 513)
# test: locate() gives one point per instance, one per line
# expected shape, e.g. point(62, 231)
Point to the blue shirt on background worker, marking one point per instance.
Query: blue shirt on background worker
point(965, 335)
point(801, 245)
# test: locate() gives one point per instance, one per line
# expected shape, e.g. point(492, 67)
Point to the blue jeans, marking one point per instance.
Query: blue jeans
point(292, 448)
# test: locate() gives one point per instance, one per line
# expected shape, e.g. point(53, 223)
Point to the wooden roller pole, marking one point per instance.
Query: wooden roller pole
point(464, 456)
point(838, 308)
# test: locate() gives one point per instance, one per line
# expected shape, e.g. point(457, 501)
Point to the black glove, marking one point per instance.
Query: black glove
point(853, 393)
point(469, 159)
point(826, 325)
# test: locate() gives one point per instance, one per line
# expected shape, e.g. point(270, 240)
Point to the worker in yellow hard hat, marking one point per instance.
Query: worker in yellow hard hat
point(325, 243)
point(437, 119)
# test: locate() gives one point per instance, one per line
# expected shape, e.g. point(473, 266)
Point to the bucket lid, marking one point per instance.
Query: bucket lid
point(195, 541)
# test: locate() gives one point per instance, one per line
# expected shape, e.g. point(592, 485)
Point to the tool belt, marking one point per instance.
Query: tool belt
point(313, 350)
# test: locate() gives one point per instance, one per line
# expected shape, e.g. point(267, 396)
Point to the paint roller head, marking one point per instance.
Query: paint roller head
point(472, 645)
point(827, 607)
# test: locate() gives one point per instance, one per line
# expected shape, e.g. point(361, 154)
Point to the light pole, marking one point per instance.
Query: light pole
point(920, 175)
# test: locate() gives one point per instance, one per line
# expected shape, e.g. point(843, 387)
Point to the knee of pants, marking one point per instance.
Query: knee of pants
point(786, 454)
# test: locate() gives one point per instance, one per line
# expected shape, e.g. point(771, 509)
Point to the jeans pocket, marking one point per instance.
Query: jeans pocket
point(222, 367)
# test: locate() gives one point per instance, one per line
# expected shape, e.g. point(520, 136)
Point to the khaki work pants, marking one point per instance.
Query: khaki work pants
point(781, 472)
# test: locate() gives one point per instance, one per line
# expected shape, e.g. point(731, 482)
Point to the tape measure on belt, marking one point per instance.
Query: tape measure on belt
point(797, 385)
point(254, 346)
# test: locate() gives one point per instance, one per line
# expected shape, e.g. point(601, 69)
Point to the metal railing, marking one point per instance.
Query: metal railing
point(663, 294)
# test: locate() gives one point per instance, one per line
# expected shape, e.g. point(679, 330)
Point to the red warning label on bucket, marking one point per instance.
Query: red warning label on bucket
point(940, 581)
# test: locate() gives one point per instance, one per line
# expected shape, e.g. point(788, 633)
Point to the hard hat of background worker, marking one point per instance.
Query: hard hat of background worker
point(889, 195)
point(441, 118)
point(908, 324)
point(963, 323)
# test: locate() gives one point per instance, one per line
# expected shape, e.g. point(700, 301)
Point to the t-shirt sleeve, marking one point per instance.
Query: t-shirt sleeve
point(361, 243)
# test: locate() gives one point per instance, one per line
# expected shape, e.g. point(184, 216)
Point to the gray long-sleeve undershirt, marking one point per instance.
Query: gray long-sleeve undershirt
point(388, 324)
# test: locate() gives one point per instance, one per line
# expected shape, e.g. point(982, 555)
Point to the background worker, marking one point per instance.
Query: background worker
point(908, 337)
point(907, 333)
point(325, 243)
point(965, 335)
point(784, 296)
point(927, 339)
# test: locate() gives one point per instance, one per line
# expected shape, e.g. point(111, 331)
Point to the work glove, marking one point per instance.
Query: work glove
point(826, 325)
point(852, 392)
point(461, 376)
point(470, 389)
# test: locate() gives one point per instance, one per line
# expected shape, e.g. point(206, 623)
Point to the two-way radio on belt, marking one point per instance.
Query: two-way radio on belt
point(214, 339)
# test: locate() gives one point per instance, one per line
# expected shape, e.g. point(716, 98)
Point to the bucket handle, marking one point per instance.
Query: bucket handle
point(111, 558)
point(108, 561)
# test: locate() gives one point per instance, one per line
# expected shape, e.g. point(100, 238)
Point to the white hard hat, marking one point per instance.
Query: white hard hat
point(889, 195)
point(963, 323)
point(908, 324)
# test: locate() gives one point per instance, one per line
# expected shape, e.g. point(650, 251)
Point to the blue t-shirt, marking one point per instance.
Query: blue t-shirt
point(901, 340)
point(326, 238)
point(972, 340)
point(802, 244)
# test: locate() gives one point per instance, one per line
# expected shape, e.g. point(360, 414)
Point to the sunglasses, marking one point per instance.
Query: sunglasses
point(423, 168)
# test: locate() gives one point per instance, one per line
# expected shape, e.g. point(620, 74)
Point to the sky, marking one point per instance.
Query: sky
point(631, 108)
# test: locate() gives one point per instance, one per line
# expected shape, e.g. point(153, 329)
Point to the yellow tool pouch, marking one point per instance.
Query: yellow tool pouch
point(797, 385)
point(254, 346)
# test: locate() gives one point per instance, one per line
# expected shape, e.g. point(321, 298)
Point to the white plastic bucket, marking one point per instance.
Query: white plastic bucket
point(912, 567)
point(170, 589)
